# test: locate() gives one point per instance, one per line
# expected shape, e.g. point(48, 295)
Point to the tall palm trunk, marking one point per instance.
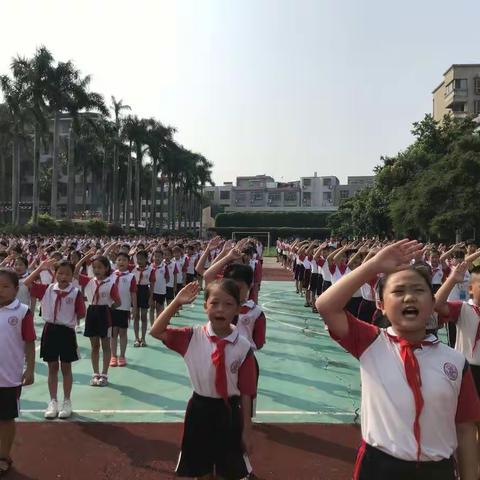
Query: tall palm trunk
point(104, 184)
point(71, 175)
point(200, 233)
point(15, 185)
point(153, 197)
point(116, 197)
point(36, 176)
point(54, 191)
point(3, 186)
point(138, 173)
point(84, 188)
point(128, 187)
point(162, 194)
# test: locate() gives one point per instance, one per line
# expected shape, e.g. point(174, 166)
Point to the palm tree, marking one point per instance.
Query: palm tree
point(35, 73)
point(15, 95)
point(157, 137)
point(117, 106)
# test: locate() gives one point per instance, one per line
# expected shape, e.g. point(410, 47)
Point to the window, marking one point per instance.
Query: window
point(344, 194)
point(459, 85)
point(327, 182)
point(274, 198)
point(476, 107)
point(459, 107)
point(307, 182)
point(307, 199)
point(477, 86)
point(290, 196)
point(327, 196)
point(224, 194)
point(257, 196)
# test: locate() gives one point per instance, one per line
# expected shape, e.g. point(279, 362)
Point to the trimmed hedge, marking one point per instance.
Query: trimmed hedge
point(280, 232)
point(269, 220)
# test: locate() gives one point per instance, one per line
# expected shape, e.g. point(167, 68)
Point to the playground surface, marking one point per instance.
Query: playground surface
point(308, 400)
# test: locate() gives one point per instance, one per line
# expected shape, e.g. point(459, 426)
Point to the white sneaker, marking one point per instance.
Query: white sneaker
point(78, 329)
point(66, 410)
point(52, 410)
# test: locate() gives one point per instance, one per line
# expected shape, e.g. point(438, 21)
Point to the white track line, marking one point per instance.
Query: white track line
point(261, 412)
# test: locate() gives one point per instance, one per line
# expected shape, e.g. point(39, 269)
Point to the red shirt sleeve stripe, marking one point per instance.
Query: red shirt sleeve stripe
point(468, 406)
point(247, 376)
point(177, 339)
point(360, 336)
point(28, 328)
point(80, 309)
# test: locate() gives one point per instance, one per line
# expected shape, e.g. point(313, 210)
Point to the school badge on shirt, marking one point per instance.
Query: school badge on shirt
point(12, 321)
point(450, 371)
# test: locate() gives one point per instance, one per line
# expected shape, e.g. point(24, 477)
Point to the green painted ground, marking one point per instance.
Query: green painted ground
point(304, 375)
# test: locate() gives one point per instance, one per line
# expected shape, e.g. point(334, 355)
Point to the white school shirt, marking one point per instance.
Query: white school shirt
point(327, 276)
point(460, 290)
point(16, 328)
point(161, 274)
point(198, 358)
point(23, 292)
point(348, 270)
point(46, 277)
point(142, 276)
point(437, 275)
point(70, 305)
point(251, 324)
point(191, 264)
point(172, 270)
point(180, 269)
point(126, 284)
point(314, 265)
point(107, 292)
point(388, 406)
point(466, 316)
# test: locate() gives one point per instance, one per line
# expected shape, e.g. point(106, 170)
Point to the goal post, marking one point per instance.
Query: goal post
point(264, 237)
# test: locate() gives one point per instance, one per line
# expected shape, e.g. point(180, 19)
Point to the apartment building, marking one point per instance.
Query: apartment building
point(459, 92)
point(263, 193)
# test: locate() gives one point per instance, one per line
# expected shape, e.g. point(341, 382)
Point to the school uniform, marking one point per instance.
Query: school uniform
point(313, 284)
point(220, 371)
point(47, 277)
point(465, 316)
point(307, 273)
point(412, 398)
point(172, 268)
point(23, 292)
point(257, 279)
point(101, 295)
point(162, 277)
point(126, 284)
point(190, 271)
point(144, 277)
point(60, 311)
point(437, 277)
point(368, 304)
point(182, 265)
point(16, 329)
point(327, 276)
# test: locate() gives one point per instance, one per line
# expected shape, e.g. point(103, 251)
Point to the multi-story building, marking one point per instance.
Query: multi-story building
point(459, 92)
point(354, 185)
point(263, 193)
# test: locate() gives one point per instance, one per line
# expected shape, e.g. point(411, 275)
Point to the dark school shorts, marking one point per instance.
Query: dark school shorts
point(326, 285)
point(312, 286)
point(98, 322)
point(373, 464)
point(190, 278)
point(119, 318)
point(159, 299)
point(143, 296)
point(58, 342)
point(319, 284)
point(306, 278)
point(180, 286)
point(9, 400)
point(212, 439)
point(299, 272)
point(170, 295)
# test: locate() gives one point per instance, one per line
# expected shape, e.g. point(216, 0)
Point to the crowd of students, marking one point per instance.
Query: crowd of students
point(383, 302)
point(112, 283)
point(386, 303)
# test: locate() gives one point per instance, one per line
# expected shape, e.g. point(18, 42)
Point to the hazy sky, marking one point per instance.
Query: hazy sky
point(281, 87)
